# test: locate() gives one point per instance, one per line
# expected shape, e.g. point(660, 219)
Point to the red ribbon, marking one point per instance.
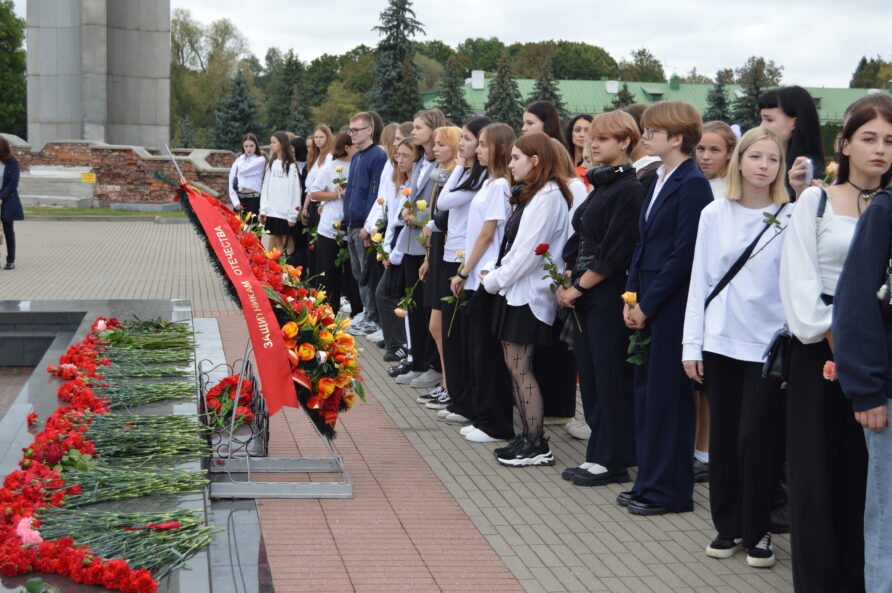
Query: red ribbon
point(266, 335)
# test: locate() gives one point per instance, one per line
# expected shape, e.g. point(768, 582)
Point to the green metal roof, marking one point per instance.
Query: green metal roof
point(591, 96)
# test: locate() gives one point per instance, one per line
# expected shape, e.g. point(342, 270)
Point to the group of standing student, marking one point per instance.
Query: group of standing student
point(723, 241)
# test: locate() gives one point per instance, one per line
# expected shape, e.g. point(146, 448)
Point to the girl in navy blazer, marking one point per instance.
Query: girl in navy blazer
point(10, 205)
point(659, 274)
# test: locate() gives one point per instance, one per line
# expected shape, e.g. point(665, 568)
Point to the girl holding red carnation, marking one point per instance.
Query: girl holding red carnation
point(524, 310)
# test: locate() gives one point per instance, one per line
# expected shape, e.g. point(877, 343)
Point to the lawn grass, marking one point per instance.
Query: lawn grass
point(80, 212)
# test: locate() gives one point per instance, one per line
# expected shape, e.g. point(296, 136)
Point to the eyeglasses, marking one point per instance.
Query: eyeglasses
point(355, 131)
point(649, 133)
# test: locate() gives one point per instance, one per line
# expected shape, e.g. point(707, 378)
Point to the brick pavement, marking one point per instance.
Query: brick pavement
point(420, 489)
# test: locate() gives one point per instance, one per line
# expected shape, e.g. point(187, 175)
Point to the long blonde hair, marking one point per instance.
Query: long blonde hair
point(316, 155)
point(450, 135)
point(777, 190)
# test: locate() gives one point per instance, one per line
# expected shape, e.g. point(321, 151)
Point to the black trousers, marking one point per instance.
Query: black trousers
point(9, 239)
point(488, 391)
point(606, 384)
point(418, 319)
point(387, 295)
point(745, 417)
point(453, 351)
point(555, 370)
point(251, 205)
point(827, 461)
point(332, 279)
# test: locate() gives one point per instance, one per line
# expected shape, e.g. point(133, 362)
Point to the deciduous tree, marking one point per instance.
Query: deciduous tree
point(13, 117)
point(643, 67)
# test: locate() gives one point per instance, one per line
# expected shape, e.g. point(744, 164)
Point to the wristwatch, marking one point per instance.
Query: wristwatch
point(579, 287)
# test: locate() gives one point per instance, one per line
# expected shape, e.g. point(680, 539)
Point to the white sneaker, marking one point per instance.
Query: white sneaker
point(375, 336)
point(359, 318)
point(454, 418)
point(578, 429)
point(465, 430)
point(430, 378)
point(478, 436)
point(441, 414)
point(345, 305)
point(406, 378)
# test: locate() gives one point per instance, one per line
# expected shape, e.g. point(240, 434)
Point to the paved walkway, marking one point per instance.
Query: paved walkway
point(431, 512)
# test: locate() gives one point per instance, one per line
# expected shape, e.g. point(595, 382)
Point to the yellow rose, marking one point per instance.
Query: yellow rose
point(336, 224)
point(460, 254)
point(400, 312)
point(289, 330)
point(339, 168)
point(379, 257)
point(377, 238)
point(629, 298)
point(421, 205)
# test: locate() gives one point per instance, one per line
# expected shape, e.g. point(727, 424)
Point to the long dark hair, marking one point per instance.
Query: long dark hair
point(856, 120)
point(377, 126)
point(342, 141)
point(545, 111)
point(795, 101)
point(6, 151)
point(568, 132)
point(477, 173)
point(286, 154)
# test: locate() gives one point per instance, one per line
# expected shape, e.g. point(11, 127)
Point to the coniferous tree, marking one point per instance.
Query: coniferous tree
point(287, 75)
point(13, 117)
point(452, 100)
point(504, 102)
point(718, 108)
point(236, 115)
point(299, 120)
point(546, 88)
point(396, 95)
point(753, 77)
point(187, 133)
point(621, 99)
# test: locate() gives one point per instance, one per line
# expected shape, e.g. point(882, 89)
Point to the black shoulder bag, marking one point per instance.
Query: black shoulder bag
point(738, 265)
point(777, 355)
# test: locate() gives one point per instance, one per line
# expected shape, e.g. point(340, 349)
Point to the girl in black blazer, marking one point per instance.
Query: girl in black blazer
point(10, 204)
point(659, 274)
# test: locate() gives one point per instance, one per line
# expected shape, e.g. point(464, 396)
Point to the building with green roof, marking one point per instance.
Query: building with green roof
point(592, 96)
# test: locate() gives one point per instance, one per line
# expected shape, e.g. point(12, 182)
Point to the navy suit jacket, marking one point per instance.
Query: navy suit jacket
point(666, 239)
point(9, 193)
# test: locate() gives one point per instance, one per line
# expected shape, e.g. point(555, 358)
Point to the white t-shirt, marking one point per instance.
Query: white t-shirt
point(332, 210)
point(317, 168)
point(719, 187)
point(490, 203)
point(743, 317)
point(458, 203)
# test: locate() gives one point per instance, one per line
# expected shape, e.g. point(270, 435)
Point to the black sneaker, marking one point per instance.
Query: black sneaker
point(395, 354)
point(723, 547)
point(509, 450)
point(701, 471)
point(762, 554)
point(431, 395)
point(400, 369)
point(441, 403)
point(527, 454)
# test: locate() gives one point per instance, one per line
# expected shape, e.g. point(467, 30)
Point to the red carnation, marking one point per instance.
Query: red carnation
point(542, 249)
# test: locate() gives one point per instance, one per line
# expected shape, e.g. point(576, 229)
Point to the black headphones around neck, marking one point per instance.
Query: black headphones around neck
point(598, 176)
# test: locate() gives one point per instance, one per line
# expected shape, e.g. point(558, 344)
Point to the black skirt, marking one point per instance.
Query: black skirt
point(518, 324)
point(277, 226)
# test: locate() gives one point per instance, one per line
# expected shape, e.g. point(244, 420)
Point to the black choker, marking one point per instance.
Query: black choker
point(865, 194)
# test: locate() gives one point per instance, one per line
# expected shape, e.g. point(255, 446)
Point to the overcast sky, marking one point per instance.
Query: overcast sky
point(818, 42)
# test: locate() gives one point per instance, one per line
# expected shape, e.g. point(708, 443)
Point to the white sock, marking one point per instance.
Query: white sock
point(597, 469)
point(701, 455)
point(586, 465)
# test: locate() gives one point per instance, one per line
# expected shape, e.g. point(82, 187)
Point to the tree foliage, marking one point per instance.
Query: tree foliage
point(430, 72)
point(621, 99)
point(873, 73)
point(236, 115)
point(396, 96)
point(13, 117)
point(286, 76)
point(321, 72)
point(339, 106)
point(504, 102)
point(643, 67)
point(203, 60)
point(452, 100)
point(435, 50)
point(580, 61)
point(546, 88)
point(694, 77)
point(718, 107)
point(481, 54)
point(754, 77)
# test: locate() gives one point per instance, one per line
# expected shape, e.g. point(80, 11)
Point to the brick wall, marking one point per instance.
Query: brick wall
point(125, 175)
